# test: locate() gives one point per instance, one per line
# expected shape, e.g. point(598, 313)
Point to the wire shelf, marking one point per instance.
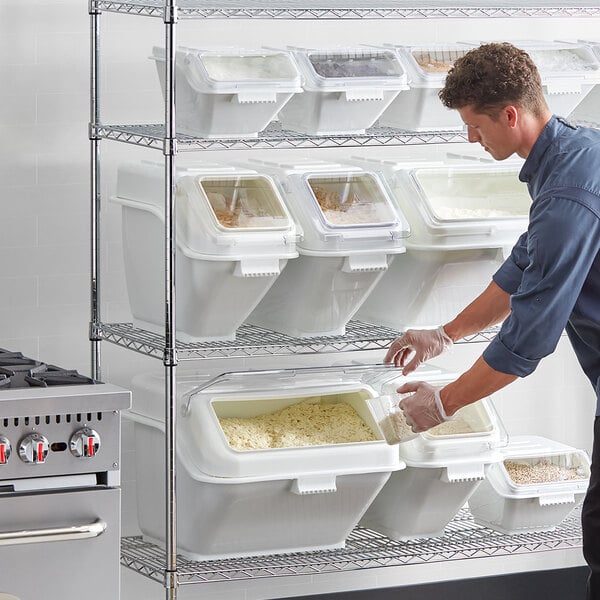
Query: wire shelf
point(349, 9)
point(256, 341)
point(365, 549)
point(152, 136)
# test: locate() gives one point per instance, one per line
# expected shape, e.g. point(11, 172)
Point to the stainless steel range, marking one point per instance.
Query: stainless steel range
point(59, 482)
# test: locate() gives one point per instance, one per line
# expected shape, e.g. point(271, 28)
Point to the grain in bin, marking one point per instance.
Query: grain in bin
point(351, 233)
point(264, 485)
point(464, 219)
point(536, 485)
point(234, 238)
point(229, 92)
point(443, 465)
point(345, 89)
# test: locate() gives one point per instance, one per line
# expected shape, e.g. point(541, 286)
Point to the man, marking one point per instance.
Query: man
point(550, 282)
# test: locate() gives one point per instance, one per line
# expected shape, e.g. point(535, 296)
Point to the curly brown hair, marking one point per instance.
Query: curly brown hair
point(492, 76)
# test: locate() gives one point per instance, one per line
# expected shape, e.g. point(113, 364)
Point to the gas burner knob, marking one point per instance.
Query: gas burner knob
point(5, 450)
point(84, 443)
point(33, 448)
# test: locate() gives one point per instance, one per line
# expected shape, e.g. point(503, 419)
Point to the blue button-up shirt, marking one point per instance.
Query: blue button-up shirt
point(553, 272)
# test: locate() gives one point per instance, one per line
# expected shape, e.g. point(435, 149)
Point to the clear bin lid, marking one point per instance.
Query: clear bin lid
point(230, 68)
point(534, 465)
point(354, 67)
point(430, 63)
point(246, 202)
point(560, 58)
point(285, 423)
point(342, 209)
point(454, 194)
point(351, 200)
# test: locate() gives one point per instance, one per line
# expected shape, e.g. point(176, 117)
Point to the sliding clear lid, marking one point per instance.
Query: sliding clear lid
point(233, 214)
point(428, 64)
point(479, 206)
point(350, 200)
point(231, 70)
point(354, 67)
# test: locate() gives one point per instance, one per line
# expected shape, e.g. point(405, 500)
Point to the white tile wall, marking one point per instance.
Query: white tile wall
point(44, 195)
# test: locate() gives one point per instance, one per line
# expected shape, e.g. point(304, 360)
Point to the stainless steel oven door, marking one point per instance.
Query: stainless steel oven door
point(60, 545)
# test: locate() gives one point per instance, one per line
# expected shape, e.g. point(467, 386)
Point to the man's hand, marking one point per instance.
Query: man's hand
point(424, 409)
point(419, 345)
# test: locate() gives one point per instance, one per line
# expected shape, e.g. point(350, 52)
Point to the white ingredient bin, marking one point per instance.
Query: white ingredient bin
point(234, 237)
point(351, 233)
point(230, 92)
point(345, 89)
point(444, 466)
point(464, 220)
point(420, 109)
point(233, 502)
point(568, 72)
point(536, 485)
point(588, 111)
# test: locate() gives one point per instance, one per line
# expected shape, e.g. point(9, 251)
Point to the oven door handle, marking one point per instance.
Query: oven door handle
point(53, 534)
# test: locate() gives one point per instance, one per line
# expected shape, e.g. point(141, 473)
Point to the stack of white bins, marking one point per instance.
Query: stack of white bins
point(345, 89)
point(536, 485)
point(420, 109)
point(444, 466)
point(231, 92)
point(234, 237)
point(464, 220)
point(235, 502)
point(351, 233)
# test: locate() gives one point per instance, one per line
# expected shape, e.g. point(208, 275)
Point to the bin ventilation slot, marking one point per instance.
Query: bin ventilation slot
point(28, 421)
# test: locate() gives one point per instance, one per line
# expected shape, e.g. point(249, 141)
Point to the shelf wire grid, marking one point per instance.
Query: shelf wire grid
point(252, 340)
point(153, 136)
point(364, 549)
point(350, 9)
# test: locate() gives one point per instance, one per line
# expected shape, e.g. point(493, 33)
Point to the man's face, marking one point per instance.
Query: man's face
point(496, 136)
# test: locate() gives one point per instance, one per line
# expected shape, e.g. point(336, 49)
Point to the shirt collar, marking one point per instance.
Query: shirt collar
point(546, 137)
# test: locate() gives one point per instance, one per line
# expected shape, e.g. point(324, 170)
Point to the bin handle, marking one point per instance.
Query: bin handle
point(314, 484)
point(53, 534)
point(567, 498)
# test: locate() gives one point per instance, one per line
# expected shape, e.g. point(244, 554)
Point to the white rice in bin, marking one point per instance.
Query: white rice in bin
point(312, 422)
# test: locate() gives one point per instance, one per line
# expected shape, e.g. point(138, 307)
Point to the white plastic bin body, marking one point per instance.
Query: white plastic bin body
point(420, 109)
point(345, 90)
point(229, 93)
point(240, 503)
point(351, 233)
point(226, 261)
point(442, 471)
point(464, 220)
point(509, 507)
point(588, 111)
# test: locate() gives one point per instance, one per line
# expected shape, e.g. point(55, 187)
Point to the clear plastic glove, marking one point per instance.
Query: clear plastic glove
point(419, 345)
point(424, 409)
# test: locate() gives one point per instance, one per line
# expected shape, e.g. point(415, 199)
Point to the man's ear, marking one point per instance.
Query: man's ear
point(511, 115)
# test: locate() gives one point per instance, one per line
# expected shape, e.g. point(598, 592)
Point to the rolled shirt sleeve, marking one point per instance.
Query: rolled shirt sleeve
point(544, 275)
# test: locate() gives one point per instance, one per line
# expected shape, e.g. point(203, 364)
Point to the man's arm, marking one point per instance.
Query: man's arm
point(489, 308)
point(478, 382)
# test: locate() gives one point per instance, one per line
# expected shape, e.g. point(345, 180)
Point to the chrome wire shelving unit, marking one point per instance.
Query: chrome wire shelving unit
point(350, 9)
point(152, 136)
point(251, 340)
point(365, 549)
